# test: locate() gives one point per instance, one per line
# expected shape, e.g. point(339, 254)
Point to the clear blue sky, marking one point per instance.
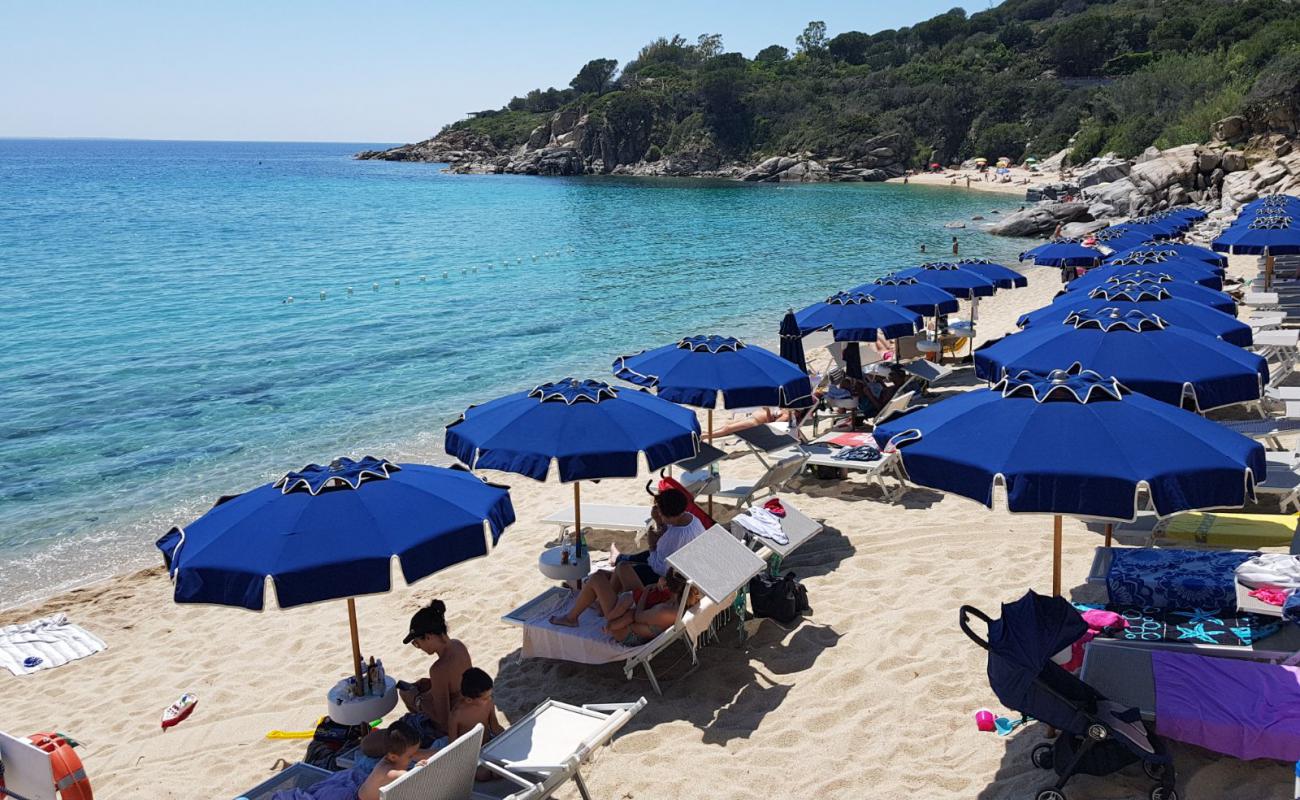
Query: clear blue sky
point(320, 70)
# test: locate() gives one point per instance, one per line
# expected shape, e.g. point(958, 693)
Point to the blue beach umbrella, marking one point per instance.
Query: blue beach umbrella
point(1260, 235)
point(1063, 253)
point(1152, 299)
point(696, 369)
point(1156, 257)
point(857, 317)
point(911, 294)
point(1074, 442)
point(792, 342)
point(1180, 250)
point(1135, 289)
point(588, 428)
point(952, 278)
point(1141, 350)
point(1003, 277)
point(1169, 271)
point(328, 532)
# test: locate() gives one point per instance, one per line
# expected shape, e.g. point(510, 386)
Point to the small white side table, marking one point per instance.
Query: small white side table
point(346, 708)
point(550, 563)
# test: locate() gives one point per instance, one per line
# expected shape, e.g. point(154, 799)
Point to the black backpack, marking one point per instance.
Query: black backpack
point(780, 598)
point(330, 739)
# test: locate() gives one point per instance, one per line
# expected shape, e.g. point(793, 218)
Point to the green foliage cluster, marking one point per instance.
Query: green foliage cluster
point(1019, 79)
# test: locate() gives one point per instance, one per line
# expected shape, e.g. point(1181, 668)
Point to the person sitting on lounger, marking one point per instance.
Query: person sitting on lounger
point(674, 528)
point(402, 744)
point(654, 612)
point(432, 698)
point(598, 589)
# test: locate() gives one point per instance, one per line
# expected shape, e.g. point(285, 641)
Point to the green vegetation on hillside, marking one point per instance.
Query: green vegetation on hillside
point(1016, 80)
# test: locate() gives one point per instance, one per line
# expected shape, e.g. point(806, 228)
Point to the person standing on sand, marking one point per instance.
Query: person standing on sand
point(1056, 234)
point(432, 698)
point(967, 181)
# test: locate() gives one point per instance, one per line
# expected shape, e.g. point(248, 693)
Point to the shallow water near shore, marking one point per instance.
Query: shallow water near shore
point(151, 363)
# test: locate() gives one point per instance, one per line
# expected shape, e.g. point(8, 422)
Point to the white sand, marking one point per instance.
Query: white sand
point(871, 696)
point(1021, 179)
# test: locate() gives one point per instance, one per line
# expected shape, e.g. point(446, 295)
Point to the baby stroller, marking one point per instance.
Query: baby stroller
point(1097, 737)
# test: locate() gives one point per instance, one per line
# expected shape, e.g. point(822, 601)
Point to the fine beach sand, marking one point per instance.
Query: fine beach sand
point(870, 696)
point(977, 182)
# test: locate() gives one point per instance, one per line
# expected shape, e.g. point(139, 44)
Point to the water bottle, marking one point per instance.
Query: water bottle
point(1297, 780)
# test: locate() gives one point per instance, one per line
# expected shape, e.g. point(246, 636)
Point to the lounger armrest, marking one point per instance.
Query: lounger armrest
point(502, 772)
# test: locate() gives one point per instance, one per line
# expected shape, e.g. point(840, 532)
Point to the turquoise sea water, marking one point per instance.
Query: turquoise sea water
point(150, 364)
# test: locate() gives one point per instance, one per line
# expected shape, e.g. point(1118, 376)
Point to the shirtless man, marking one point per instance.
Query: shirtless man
point(434, 696)
point(402, 743)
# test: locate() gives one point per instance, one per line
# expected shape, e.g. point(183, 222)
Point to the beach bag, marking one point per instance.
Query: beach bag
point(781, 598)
point(330, 739)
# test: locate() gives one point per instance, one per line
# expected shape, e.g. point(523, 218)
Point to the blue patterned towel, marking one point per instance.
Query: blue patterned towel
point(1141, 576)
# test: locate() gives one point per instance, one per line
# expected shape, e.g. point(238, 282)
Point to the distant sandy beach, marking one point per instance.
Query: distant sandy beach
point(871, 696)
point(956, 179)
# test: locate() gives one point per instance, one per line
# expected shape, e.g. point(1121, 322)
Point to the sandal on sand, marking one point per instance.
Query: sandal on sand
point(563, 621)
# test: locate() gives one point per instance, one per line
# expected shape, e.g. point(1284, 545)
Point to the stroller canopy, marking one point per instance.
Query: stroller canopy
point(1021, 645)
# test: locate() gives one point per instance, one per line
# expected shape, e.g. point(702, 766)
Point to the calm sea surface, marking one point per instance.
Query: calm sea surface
point(150, 363)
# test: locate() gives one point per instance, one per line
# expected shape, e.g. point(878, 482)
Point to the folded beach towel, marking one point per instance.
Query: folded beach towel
point(762, 522)
point(1270, 570)
point(44, 643)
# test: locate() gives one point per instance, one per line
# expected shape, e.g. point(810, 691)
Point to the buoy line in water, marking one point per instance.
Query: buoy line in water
point(448, 274)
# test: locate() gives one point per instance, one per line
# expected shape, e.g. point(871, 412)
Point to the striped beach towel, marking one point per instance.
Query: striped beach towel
point(44, 643)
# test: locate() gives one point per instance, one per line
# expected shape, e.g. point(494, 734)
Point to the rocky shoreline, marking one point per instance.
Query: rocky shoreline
point(1235, 167)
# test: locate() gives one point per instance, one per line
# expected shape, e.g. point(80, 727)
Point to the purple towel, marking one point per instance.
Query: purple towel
point(1242, 708)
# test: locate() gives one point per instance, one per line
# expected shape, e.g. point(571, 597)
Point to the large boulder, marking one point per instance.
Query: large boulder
point(1176, 165)
point(1075, 229)
point(1103, 169)
point(1041, 219)
point(1230, 129)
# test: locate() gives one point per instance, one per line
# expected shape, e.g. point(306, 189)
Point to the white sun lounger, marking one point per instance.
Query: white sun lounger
point(448, 775)
point(715, 562)
point(27, 770)
point(1271, 428)
point(546, 748)
point(797, 526)
point(773, 479)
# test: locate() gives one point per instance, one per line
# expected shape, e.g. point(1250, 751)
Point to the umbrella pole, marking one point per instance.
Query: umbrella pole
point(1109, 530)
point(710, 441)
point(356, 643)
point(1056, 555)
point(1268, 270)
point(577, 518)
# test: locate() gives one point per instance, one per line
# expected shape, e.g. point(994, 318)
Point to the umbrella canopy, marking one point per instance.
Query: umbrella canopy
point(952, 278)
point(1001, 276)
point(1152, 300)
point(1260, 235)
point(792, 342)
point(696, 369)
point(919, 298)
point(1074, 442)
point(1063, 253)
point(1185, 271)
point(857, 317)
point(1177, 250)
point(1153, 285)
point(1141, 350)
point(589, 428)
point(327, 532)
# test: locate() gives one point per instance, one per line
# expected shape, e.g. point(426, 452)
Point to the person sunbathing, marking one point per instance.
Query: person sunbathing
point(654, 612)
point(402, 743)
point(432, 698)
point(763, 416)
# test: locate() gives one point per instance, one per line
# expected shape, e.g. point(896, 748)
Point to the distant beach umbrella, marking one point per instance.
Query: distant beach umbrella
point(857, 317)
point(697, 369)
point(920, 298)
point(1063, 253)
point(1131, 288)
point(329, 532)
point(590, 430)
point(1265, 227)
point(792, 342)
point(1074, 443)
point(1002, 277)
point(1150, 299)
point(953, 278)
point(1141, 350)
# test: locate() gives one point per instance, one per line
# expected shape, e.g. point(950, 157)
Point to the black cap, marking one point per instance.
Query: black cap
point(426, 621)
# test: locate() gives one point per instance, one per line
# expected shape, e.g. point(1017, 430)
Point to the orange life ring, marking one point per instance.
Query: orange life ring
point(70, 779)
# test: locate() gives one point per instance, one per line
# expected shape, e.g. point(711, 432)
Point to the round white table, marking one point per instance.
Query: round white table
point(550, 562)
point(928, 345)
point(346, 708)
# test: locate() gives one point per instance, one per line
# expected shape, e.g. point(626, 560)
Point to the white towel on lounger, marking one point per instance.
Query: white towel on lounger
point(44, 643)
